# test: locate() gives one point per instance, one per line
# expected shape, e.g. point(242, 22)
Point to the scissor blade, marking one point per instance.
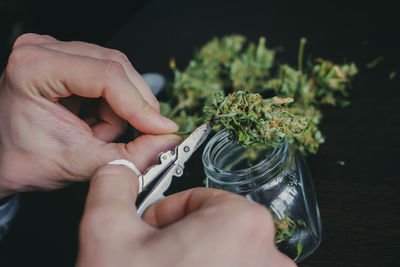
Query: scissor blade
point(157, 192)
point(205, 129)
point(193, 142)
point(197, 137)
point(175, 168)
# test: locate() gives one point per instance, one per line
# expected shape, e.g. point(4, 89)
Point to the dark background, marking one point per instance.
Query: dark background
point(359, 202)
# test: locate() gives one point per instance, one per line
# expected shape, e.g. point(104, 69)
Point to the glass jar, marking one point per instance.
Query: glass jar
point(277, 178)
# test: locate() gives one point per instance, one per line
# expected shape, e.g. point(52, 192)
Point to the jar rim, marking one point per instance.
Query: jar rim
point(269, 164)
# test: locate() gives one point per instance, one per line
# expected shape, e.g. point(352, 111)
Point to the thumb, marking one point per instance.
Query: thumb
point(113, 189)
point(110, 220)
point(110, 216)
point(119, 184)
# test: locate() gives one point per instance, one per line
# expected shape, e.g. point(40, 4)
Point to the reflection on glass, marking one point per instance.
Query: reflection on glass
point(277, 178)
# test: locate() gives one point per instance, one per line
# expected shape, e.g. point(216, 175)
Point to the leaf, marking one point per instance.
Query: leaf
point(341, 162)
point(375, 62)
point(392, 75)
point(299, 247)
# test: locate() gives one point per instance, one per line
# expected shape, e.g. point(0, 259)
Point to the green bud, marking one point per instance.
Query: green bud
point(252, 120)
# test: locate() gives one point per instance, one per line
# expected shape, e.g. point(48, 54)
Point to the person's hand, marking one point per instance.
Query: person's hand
point(43, 144)
point(198, 227)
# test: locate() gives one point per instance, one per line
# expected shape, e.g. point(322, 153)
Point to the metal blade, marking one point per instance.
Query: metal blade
point(166, 170)
point(157, 192)
point(192, 143)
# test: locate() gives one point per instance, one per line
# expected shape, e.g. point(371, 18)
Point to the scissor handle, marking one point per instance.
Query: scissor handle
point(162, 185)
point(165, 159)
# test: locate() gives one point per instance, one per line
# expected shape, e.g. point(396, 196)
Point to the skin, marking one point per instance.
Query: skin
point(45, 145)
point(41, 89)
point(197, 227)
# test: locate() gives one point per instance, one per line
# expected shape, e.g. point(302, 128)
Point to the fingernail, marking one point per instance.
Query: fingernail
point(171, 124)
point(172, 143)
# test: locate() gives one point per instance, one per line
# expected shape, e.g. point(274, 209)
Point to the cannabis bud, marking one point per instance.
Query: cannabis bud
point(252, 120)
point(231, 63)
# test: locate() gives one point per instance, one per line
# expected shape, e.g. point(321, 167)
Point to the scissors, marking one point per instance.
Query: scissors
point(171, 163)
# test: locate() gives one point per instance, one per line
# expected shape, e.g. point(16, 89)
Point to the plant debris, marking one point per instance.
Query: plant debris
point(341, 162)
point(392, 75)
point(374, 62)
point(287, 228)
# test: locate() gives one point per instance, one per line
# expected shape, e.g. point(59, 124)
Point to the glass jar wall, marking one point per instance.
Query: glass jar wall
point(277, 178)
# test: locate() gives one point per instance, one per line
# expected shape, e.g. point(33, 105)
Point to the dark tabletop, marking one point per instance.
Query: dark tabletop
point(359, 202)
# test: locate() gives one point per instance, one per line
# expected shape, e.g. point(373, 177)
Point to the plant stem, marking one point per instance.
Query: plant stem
point(303, 42)
point(180, 106)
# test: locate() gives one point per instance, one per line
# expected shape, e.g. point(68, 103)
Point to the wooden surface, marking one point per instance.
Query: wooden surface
point(359, 202)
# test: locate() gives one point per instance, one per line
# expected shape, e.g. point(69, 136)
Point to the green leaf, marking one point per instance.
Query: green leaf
point(374, 62)
point(341, 162)
point(299, 247)
point(392, 75)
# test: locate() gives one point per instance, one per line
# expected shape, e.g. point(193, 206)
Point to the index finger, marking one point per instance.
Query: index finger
point(56, 74)
point(95, 51)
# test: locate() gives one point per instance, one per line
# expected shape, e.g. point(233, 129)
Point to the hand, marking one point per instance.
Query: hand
point(198, 227)
point(43, 144)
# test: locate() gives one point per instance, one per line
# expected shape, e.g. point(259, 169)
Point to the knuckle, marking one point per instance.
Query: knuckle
point(25, 38)
point(254, 222)
point(116, 55)
point(19, 59)
point(120, 150)
point(17, 56)
point(257, 223)
point(113, 70)
point(144, 105)
point(109, 172)
point(259, 216)
point(104, 172)
point(144, 108)
point(156, 104)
